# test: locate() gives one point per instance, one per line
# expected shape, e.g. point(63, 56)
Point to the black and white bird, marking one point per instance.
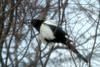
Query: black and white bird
point(52, 33)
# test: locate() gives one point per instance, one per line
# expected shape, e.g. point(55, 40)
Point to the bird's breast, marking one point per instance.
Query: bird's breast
point(46, 32)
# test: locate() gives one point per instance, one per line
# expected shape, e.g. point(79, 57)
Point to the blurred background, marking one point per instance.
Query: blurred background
point(19, 46)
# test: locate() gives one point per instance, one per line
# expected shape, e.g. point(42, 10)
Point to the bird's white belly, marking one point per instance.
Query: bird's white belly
point(46, 32)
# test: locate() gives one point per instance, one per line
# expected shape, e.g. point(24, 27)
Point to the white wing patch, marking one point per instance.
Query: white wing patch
point(46, 32)
point(51, 22)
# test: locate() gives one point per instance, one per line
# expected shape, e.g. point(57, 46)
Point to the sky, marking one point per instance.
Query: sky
point(80, 21)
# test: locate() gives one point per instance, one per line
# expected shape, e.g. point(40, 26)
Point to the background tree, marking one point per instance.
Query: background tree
point(19, 46)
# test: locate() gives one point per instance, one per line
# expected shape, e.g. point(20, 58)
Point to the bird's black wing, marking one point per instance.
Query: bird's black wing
point(58, 33)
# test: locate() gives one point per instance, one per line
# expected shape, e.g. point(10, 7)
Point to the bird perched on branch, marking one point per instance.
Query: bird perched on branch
point(52, 33)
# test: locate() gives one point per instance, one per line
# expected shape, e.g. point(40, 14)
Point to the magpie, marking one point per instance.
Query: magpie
point(52, 33)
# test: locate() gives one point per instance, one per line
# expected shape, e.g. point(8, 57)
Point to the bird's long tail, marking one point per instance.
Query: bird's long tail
point(72, 48)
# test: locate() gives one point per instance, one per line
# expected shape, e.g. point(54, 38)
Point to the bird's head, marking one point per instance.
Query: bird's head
point(36, 23)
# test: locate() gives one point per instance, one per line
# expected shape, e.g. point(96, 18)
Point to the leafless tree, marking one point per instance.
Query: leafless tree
point(19, 44)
